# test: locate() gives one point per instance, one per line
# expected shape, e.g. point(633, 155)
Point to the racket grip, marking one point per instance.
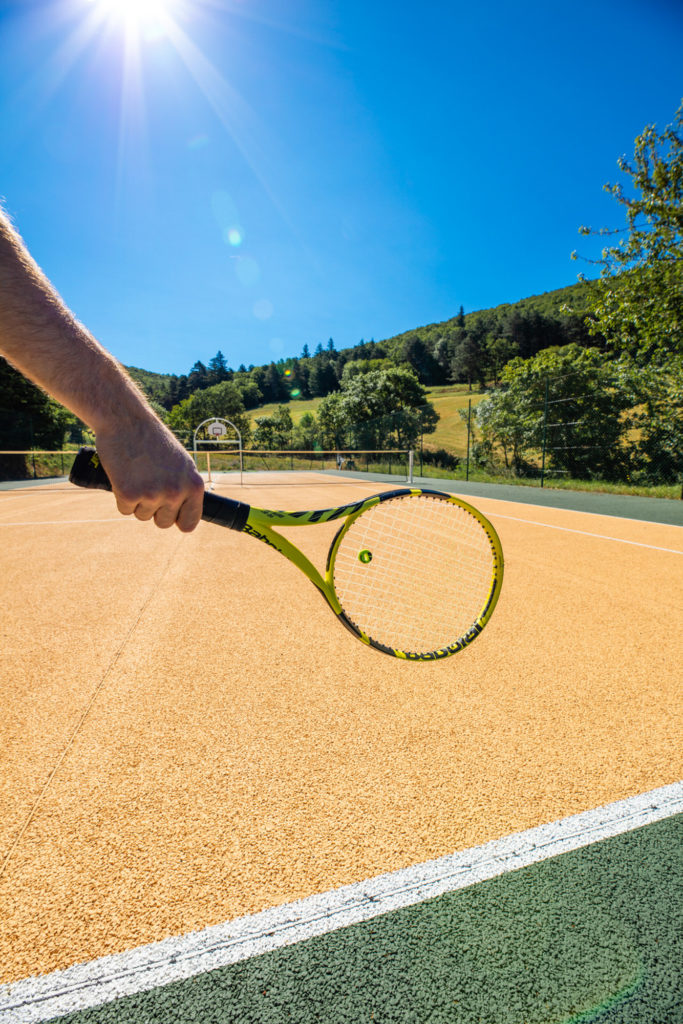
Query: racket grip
point(88, 471)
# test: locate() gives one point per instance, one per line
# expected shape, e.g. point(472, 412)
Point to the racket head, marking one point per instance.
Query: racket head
point(417, 574)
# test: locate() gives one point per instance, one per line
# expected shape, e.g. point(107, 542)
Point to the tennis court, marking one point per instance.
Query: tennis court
point(224, 808)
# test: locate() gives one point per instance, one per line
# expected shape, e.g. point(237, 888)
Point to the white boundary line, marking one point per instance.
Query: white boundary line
point(578, 511)
point(148, 967)
point(586, 533)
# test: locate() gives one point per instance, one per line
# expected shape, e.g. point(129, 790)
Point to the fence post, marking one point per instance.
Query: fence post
point(469, 422)
point(545, 428)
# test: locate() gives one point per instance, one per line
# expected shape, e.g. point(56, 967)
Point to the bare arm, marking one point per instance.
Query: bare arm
point(152, 475)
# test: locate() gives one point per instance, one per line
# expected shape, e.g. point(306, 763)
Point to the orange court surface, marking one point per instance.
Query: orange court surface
point(188, 735)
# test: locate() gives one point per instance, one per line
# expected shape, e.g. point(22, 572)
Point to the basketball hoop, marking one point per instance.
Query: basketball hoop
point(216, 429)
point(215, 432)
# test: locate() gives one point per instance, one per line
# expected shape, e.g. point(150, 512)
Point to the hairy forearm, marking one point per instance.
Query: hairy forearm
point(41, 338)
point(153, 477)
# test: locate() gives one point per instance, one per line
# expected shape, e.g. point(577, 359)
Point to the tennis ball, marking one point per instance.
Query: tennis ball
point(365, 556)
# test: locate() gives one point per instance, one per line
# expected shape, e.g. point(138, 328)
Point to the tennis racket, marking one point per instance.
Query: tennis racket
point(413, 573)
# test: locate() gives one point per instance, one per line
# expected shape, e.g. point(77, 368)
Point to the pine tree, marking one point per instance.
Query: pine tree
point(218, 368)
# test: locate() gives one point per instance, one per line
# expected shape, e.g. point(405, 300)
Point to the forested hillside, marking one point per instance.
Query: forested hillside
point(470, 347)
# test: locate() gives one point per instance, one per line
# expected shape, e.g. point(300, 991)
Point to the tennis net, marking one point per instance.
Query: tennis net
point(338, 462)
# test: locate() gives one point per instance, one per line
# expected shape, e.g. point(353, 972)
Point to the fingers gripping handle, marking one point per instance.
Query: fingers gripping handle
point(88, 471)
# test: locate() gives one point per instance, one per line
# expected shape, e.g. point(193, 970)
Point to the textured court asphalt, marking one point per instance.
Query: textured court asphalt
point(589, 937)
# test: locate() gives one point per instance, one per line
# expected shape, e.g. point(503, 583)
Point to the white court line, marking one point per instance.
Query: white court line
point(174, 959)
point(586, 533)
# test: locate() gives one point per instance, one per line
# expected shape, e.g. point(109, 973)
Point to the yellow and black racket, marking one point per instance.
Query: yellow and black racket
point(413, 573)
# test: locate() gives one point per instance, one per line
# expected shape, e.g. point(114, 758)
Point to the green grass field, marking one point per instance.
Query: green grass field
point(451, 430)
point(448, 400)
point(297, 408)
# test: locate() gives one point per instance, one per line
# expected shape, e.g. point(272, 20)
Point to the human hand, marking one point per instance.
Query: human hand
point(152, 475)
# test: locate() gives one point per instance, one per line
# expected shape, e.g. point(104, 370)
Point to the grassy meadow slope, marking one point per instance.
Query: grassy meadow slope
point(448, 400)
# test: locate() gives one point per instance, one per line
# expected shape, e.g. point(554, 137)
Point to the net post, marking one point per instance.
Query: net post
point(545, 428)
point(411, 456)
point(469, 432)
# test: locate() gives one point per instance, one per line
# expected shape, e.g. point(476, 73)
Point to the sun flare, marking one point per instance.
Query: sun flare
point(139, 11)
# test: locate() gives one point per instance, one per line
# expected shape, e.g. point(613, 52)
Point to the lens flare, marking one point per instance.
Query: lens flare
point(247, 270)
point(263, 309)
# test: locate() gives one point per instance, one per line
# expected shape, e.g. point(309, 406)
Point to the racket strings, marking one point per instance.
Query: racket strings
point(429, 576)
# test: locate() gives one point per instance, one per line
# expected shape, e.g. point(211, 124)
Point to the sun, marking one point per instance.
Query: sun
point(141, 12)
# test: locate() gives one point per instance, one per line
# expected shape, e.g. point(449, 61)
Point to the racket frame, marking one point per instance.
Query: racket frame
point(260, 524)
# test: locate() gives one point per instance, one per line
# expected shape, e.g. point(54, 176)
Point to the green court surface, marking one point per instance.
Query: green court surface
point(626, 506)
point(592, 936)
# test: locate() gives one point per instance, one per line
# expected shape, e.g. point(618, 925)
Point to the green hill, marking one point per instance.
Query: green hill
point(448, 400)
point(470, 347)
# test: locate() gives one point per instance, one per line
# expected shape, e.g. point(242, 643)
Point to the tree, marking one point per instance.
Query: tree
point(273, 387)
point(251, 396)
point(305, 435)
point(297, 378)
point(305, 354)
point(321, 378)
point(28, 417)
point(385, 409)
point(637, 303)
point(198, 376)
point(223, 400)
point(586, 429)
point(218, 368)
point(468, 360)
point(507, 425)
point(355, 366)
point(274, 432)
point(419, 357)
point(499, 351)
point(658, 420)
point(332, 423)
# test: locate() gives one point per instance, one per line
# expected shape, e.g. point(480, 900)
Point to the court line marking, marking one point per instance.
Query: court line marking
point(587, 533)
point(120, 974)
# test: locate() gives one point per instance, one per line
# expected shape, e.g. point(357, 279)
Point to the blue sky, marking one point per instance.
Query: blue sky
point(254, 175)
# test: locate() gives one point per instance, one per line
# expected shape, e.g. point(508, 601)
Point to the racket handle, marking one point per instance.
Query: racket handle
point(88, 471)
